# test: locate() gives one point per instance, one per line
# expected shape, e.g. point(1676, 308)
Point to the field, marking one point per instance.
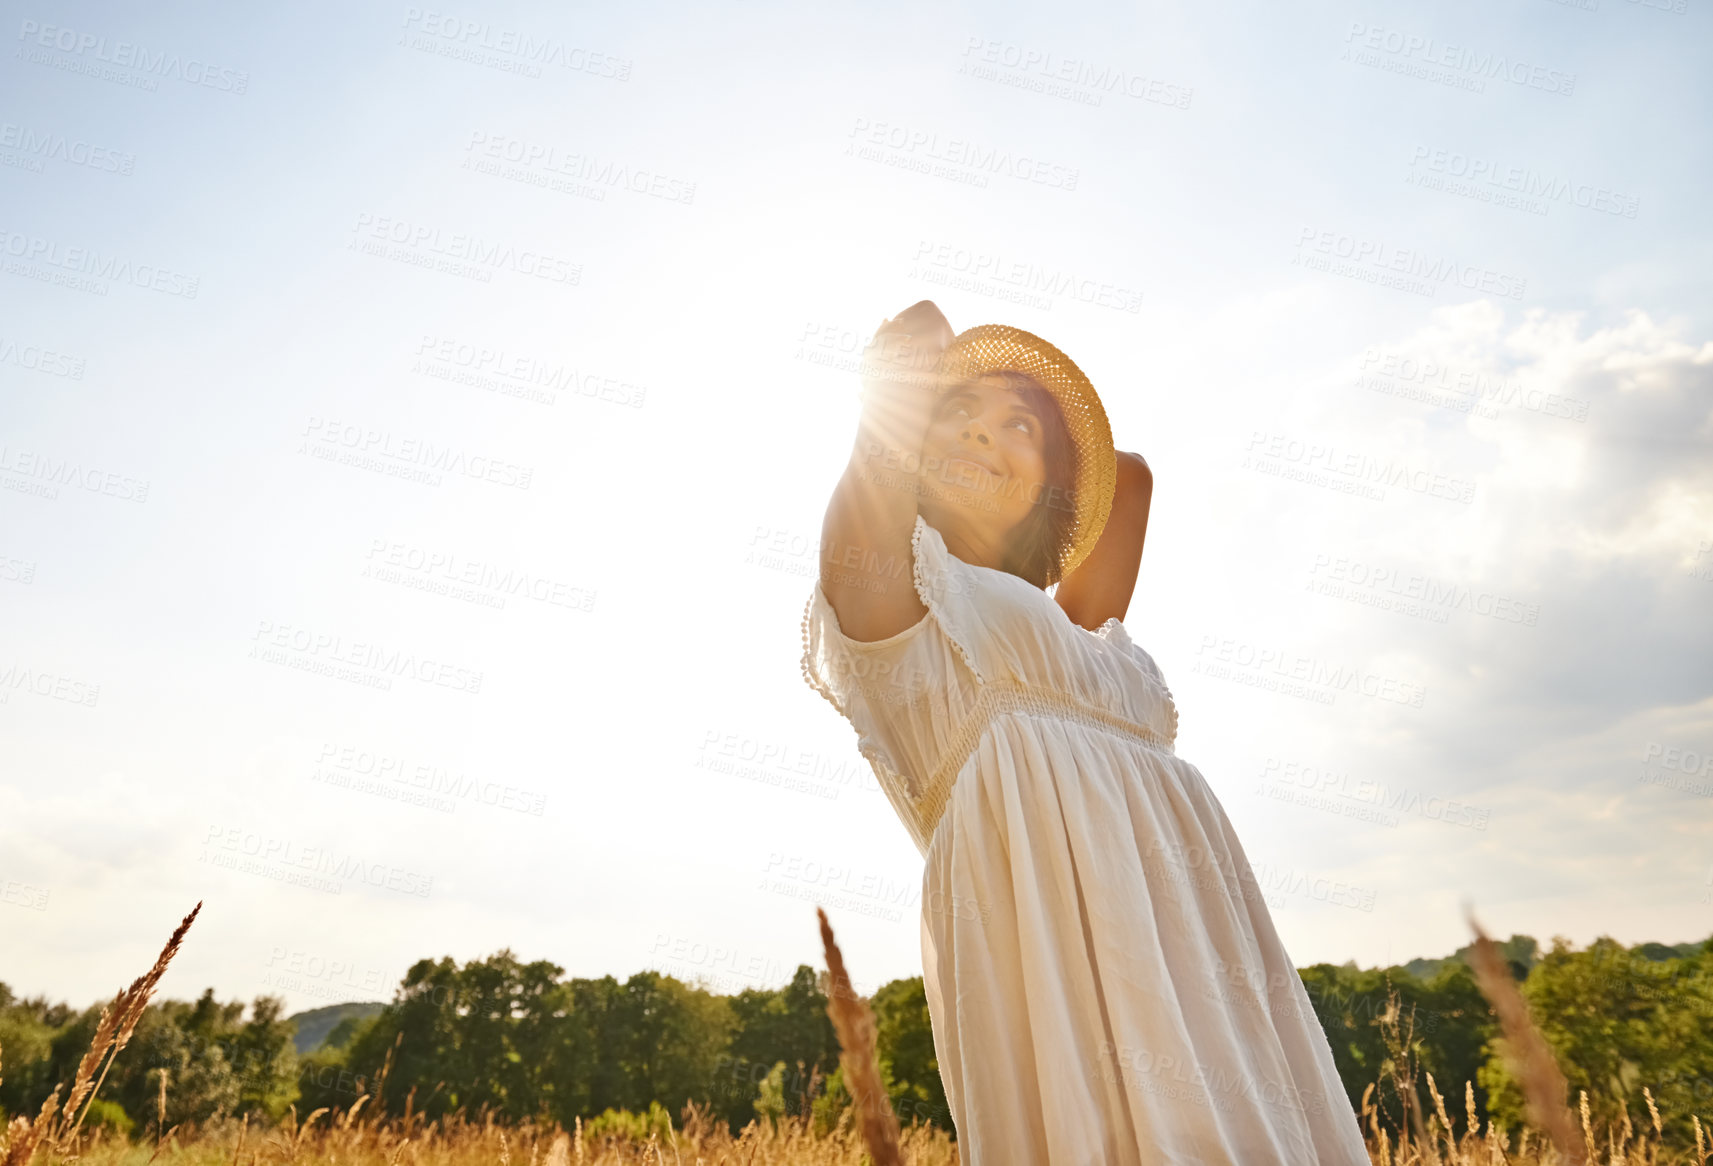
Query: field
point(866, 1130)
point(322, 1142)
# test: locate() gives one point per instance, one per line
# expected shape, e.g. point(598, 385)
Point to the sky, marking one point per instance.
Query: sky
point(416, 424)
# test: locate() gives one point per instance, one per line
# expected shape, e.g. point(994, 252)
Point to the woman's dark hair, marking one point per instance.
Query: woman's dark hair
point(1038, 544)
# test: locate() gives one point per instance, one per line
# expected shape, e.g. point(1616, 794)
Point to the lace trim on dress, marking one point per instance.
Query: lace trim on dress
point(931, 595)
point(900, 790)
point(809, 676)
point(839, 647)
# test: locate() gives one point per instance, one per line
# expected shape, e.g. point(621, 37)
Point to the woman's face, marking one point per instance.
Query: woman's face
point(984, 461)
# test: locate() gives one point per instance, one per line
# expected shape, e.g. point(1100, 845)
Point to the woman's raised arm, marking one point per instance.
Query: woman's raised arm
point(1101, 586)
point(865, 537)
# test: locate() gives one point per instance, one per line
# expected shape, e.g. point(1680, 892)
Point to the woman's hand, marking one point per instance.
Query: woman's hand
point(898, 390)
point(865, 537)
point(909, 343)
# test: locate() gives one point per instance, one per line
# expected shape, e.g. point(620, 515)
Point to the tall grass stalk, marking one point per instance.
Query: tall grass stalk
point(854, 1021)
point(1527, 1054)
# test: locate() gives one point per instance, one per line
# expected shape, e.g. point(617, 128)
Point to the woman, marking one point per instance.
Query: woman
point(1104, 980)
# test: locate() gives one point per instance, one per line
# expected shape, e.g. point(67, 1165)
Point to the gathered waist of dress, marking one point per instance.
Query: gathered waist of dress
point(1006, 696)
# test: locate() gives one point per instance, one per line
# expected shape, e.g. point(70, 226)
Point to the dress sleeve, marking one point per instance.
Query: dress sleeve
point(895, 692)
point(847, 671)
point(944, 585)
point(843, 670)
point(870, 683)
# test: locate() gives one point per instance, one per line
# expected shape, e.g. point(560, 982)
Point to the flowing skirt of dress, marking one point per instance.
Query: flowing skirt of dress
point(1105, 981)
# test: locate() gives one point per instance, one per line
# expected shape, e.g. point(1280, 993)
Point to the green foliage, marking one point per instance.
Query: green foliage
point(1451, 1024)
point(905, 1039)
point(789, 1025)
point(214, 1061)
point(909, 1070)
point(625, 1124)
point(831, 1104)
point(263, 1052)
point(1619, 1019)
point(27, 1030)
point(324, 1081)
point(770, 1097)
point(109, 1116)
point(523, 1042)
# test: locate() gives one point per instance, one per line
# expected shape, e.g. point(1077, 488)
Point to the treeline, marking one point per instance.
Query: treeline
point(521, 1041)
point(516, 1039)
point(186, 1062)
point(1617, 1018)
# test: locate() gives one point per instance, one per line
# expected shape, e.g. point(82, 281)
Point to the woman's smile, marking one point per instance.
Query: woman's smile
point(969, 461)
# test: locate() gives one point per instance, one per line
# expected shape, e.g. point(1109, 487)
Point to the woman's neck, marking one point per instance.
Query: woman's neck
point(976, 547)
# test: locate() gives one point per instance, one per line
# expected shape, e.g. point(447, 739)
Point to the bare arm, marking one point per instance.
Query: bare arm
point(1102, 584)
point(865, 537)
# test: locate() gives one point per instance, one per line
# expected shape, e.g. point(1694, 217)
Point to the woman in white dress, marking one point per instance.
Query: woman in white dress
point(1104, 980)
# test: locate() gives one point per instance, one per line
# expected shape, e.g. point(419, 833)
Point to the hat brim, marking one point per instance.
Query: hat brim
point(994, 347)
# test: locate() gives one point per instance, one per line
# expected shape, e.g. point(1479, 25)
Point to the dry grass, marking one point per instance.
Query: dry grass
point(702, 1141)
point(867, 1133)
point(705, 1142)
point(1622, 1146)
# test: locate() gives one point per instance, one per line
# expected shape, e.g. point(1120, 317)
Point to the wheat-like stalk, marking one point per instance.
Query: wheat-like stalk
point(23, 1135)
point(1653, 1112)
point(854, 1022)
point(1525, 1049)
point(118, 1022)
point(106, 1029)
point(1473, 1129)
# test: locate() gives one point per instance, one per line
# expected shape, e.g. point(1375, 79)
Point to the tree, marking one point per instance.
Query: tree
point(1451, 1024)
point(905, 1040)
point(675, 1036)
point(264, 1055)
point(786, 1025)
point(1618, 1019)
point(519, 1040)
point(201, 1084)
point(27, 1032)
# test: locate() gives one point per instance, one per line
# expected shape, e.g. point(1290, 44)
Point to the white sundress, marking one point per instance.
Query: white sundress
point(1104, 979)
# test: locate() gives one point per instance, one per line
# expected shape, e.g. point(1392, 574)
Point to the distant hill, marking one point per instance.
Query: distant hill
point(1521, 951)
point(314, 1026)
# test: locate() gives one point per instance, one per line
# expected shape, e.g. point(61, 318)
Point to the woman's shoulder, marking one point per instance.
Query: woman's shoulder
point(832, 659)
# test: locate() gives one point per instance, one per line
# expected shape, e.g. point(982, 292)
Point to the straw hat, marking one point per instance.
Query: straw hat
point(992, 347)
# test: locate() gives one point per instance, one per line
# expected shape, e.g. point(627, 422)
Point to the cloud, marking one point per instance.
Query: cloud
point(1592, 452)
